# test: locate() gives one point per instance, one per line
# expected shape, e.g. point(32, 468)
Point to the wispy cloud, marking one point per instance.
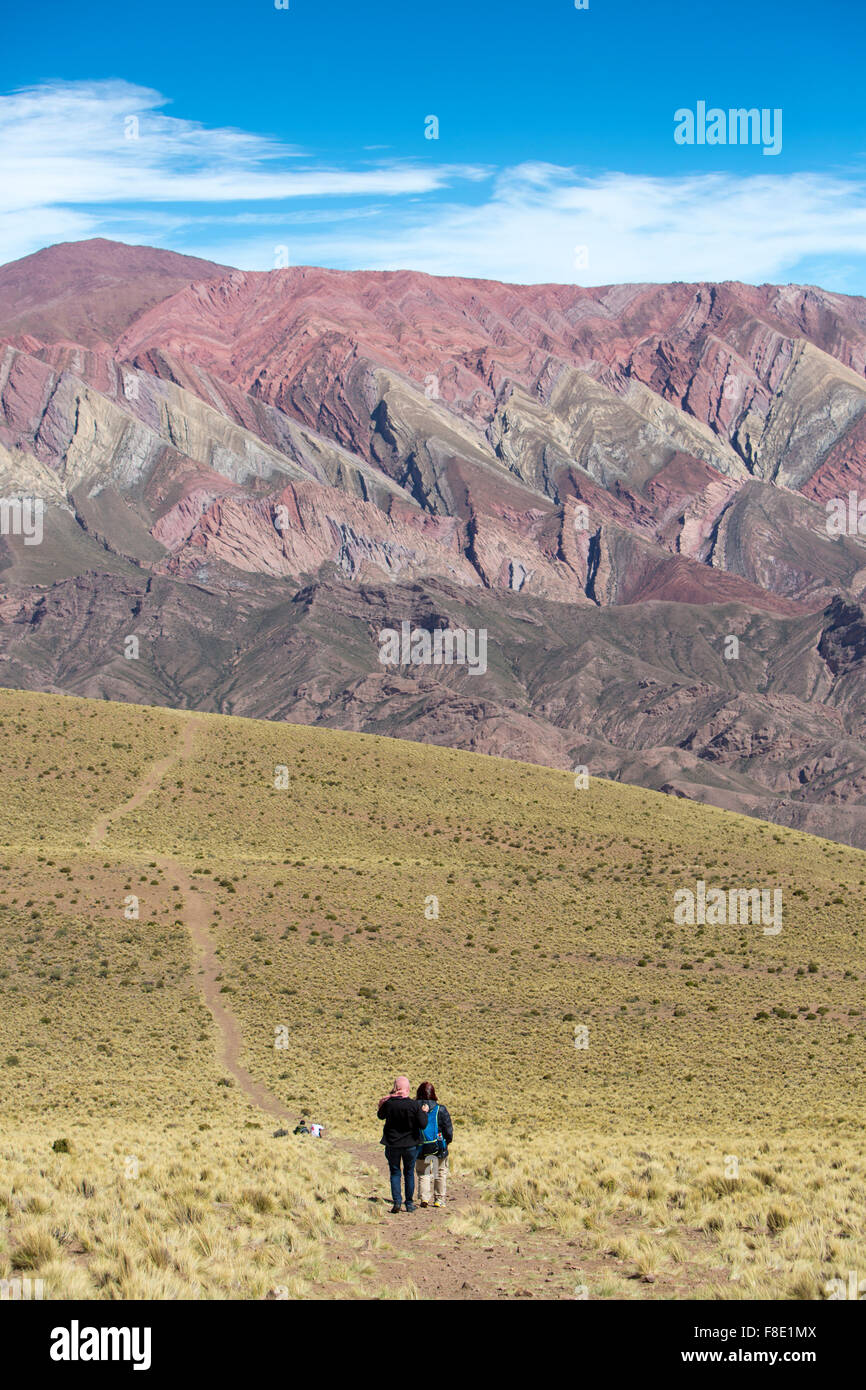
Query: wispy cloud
point(546, 223)
point(67, 170)
point(75, 156)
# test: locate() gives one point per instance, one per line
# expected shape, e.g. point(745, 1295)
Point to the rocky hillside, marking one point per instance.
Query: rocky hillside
point(254, 474)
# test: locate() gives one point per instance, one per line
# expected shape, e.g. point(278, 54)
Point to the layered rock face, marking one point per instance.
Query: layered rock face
point(625, 487)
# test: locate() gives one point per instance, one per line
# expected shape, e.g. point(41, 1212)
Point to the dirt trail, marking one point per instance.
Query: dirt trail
point(230, 1039)
point(149, 784)
point(196, 920)
point(420, 1248)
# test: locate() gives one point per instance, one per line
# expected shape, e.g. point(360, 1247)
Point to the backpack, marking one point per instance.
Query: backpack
point(432, 1143)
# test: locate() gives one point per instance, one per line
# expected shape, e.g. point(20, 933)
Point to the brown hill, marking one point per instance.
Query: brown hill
point(88, 292)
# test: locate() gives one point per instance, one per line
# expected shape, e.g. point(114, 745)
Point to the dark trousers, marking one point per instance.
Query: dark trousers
point(404, 1158)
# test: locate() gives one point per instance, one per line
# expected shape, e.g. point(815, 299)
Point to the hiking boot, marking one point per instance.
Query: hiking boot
point(437, 1203)
point(425, 1204)
point(410, 1206)
point(395, 1210)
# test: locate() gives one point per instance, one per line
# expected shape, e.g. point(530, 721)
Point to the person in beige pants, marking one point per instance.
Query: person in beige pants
point(432, 1187)
point(429, 1164)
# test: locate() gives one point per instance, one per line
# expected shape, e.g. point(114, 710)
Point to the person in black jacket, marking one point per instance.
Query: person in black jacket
point(427, 1162)
point(404, 1119)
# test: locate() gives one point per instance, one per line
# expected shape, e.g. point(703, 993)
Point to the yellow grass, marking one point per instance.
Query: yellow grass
point(706, 1139)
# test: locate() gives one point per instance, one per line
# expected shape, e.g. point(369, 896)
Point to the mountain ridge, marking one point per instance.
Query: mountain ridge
point(398, 444)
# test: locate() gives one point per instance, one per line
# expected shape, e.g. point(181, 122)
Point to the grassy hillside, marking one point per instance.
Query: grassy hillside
point(705, 1140)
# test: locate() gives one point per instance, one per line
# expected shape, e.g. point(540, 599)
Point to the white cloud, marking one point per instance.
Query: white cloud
point(66, 158)
point(68, 171)
point(700, 227)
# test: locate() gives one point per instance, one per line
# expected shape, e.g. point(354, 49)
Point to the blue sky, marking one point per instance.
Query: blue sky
point(265, 136)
